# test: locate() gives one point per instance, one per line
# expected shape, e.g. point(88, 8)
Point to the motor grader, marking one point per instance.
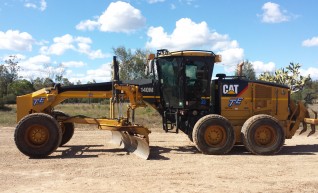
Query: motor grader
point(215, 114)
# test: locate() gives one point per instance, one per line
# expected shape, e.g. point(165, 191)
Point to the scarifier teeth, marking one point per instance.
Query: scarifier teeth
point(313, 130)
point(303, 131)
point(131, 143)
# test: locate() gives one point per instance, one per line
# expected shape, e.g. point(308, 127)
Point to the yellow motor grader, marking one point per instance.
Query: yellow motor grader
point(215, 114)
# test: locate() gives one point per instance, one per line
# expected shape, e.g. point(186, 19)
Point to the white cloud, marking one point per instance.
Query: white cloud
point(190, 35)
point(30, 5)
point(273, 14)
point(74, 64)
point(39, 60)
point(101, 74)
point(261, 67)
point(118, 17)
point(36, 4)
point(186, 35)
point(34, 66)
point(68, 42)
point(155, 1)
point(16, 40)
point(310, 42)
point(61, 44)
point(43, 5)
point(18, 57)
point(312, 71)
point(87, 25)
point(231, 57)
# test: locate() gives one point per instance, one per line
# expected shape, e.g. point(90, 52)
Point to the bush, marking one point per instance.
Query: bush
point(2, 103)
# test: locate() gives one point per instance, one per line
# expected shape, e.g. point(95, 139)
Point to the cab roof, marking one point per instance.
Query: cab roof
point(165, 53)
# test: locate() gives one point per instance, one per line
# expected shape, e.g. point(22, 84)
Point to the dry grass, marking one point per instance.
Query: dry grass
point(144, 116)
point(8, 116)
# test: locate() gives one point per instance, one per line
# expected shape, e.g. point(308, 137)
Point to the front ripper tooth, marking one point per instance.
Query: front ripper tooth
point(131, 143)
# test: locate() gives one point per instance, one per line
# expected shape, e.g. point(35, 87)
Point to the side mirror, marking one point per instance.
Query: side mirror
point(150, 66)
point(151, 57)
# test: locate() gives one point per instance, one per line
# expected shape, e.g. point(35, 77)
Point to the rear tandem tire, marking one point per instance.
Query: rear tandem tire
point(263, 135)
point(38, 135)
point(213, 134)
point(67, 128)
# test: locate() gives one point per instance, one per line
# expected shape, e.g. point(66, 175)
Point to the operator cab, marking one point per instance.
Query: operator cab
point(184, 78)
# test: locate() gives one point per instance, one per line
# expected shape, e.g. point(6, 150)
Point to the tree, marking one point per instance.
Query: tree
point(8, 74)
point(17, 88)
point(131, 65)
point(40, 83)
point(20, 87)
point(54, 72)
point(66, 82)
point(247, 71)
point(289, 76)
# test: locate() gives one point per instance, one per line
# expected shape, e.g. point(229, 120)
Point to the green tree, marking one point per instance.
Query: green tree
point(289, 76)
point(21, 87)
point(17, 88)
point(131, 65)
point(66, 82)
point(37, 83)
point(8, 74)
point(40, 83)
point(247, 70)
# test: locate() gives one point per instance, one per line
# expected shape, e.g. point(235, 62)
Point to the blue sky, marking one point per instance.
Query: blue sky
point(77, 37)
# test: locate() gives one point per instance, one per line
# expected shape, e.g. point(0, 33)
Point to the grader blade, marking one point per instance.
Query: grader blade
point(131, 143)
point(117, 138)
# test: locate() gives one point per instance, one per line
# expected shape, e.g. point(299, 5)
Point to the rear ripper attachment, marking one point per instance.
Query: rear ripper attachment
point(41, 129)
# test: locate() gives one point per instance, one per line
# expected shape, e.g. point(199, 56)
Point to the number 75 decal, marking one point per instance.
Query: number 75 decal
point(38, 101)
point(235, 101)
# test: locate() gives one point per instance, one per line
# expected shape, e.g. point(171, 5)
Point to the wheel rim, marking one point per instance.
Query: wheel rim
point(215, 136)
point(37, 135)
point(265, 135)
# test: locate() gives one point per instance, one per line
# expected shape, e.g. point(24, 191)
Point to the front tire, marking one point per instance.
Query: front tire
point(213, 134)
point(263, 135)
point(38, 135)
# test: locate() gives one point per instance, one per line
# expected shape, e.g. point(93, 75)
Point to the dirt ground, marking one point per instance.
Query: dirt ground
point(88, 163)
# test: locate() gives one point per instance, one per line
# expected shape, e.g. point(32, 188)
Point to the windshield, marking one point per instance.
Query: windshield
point(170, 70)
point(184, 80)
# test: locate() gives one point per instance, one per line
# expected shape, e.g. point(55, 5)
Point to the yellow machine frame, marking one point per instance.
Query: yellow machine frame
point(49, 98)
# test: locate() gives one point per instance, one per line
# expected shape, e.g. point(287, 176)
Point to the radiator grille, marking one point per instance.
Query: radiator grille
point(263, 92)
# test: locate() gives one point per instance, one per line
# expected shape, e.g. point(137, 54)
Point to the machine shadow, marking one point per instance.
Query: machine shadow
point(83, 151)
point(309, 149)
point(158, 152)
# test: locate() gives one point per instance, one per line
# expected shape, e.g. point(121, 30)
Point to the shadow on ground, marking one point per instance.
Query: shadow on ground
point(160, 153)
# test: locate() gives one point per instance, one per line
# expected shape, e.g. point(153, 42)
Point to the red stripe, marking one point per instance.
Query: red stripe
point(243, 91)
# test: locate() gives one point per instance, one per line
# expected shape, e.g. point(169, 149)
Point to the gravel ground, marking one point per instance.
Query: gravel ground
point(88, 163)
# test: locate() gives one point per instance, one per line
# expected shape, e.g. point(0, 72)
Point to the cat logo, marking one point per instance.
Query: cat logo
point(230, 89)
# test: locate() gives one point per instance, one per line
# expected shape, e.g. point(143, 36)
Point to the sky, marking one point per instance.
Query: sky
point(77, 37)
